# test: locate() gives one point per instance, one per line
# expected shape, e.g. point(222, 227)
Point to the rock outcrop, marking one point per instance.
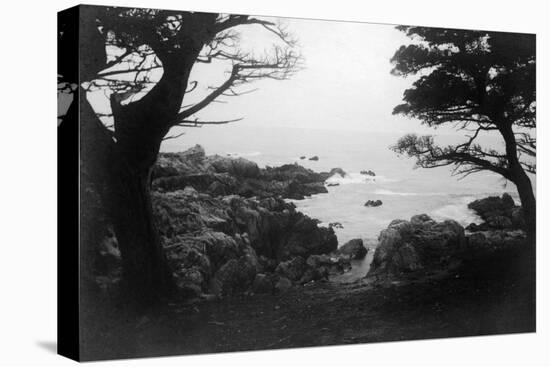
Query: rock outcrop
point(421, 243)
point(368, 173)
point(355, 249)
point(373, 203)
point(227, 229)
point(219, 244)
point(219, 175)
point(498, 213)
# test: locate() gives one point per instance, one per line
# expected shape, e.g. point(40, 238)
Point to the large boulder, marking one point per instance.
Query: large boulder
point(421, 243)
point(264, 283)
point(355, 249)
point(283, 284)
point(292, 269)
point(239, 167)
point(188, 162)
point(492, 205)
point(497, 213)
point(305, 237)
point(237, 275)
point(329, 264)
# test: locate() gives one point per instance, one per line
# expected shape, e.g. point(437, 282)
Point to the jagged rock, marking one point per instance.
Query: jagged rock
point(292, 269)
point(338, 171)
point(226, 228)
point(354, 249)
point(368, 173)
point(235, 276)
point(239, 167)
point(233, 175)
point(327, 264)
point(202, 234)
point(306, 238)
point(283, 284)
point(188, 162)
point(335, 225)
point(499, 221)
point(422, 220)
point(420, 243)
point(517, 217)
point(373, 203)
point(497, 213)
point(496, 239)
point(264, 283)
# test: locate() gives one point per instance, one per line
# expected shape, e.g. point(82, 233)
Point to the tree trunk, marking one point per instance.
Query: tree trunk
point(528, 204)
point(124, 190)
point(122, 166)
point(523, 184)
point(146, 275)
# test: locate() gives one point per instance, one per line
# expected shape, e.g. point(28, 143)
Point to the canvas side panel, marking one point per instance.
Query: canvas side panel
point(68, 321)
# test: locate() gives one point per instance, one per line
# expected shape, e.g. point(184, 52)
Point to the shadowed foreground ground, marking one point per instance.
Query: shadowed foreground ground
point(491, 294)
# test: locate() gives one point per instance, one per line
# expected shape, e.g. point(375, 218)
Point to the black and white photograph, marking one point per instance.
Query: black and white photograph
point(252, 182)
point(242, 183)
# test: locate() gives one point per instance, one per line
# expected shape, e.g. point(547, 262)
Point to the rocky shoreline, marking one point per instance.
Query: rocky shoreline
point(251, 271)
point(227, 229)
point(421, 246)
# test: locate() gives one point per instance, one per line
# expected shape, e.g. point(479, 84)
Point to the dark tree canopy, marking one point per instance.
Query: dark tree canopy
point(119, 50)
point(479, 82)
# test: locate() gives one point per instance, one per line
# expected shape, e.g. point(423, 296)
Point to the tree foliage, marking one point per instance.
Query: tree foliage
point(142, 60)
point(476, 81)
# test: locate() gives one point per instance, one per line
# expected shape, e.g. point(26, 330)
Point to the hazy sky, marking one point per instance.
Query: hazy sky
point(345, 83)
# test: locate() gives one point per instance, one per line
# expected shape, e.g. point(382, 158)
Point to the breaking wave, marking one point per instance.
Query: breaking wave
point(244, 154)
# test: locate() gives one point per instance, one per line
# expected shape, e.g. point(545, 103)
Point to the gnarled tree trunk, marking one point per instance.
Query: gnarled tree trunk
point(523, 184)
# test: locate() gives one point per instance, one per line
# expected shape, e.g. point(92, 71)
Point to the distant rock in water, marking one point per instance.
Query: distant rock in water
point(355, 249)
point(338, 171)
point(303, 157)
point(332, 184)
point(373, 203)
point(421, 243)
point(368, 173)
point(314, 158)
point(333, 172)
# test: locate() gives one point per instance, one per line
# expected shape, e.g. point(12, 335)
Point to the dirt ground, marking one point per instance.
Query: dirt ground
point(491, 294)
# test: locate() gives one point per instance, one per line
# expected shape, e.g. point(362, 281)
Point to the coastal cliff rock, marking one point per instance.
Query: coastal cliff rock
point(220, 176)
point(355, 249)
point(421, 243)
point(227, 229)
point(498, 213)
point(218, 245)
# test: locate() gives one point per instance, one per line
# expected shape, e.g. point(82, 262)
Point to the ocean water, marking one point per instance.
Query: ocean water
point(404, 191)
